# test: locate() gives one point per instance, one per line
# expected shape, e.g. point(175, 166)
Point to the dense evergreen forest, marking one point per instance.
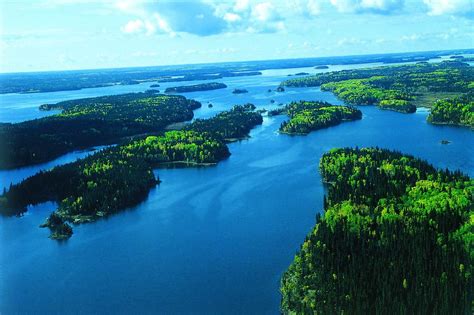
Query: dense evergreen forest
point(89, 122)
point(308, 116)
point(396, 238)
point(196, 87)
point(454, 111)
point(119, 177)
point(398, 88)
point(229, 125)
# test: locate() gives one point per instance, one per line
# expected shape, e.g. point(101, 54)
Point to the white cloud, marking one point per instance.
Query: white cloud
point(232, 17)
point(305, 8)
point(209, 17)
point(241, 5)
point(264, 11)
point(133, 26)
point(459, 7)
point(368, 6)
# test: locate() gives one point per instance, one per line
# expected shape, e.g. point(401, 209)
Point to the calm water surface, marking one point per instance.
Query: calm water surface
point(207, 240)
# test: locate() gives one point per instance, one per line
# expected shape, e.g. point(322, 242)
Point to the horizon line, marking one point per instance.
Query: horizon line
point(233, 61)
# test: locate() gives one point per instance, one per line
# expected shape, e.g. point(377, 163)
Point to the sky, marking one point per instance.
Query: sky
point(44, 35)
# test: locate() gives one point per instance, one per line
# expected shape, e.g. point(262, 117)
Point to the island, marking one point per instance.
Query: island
point(208, 76)
point(154, 85)
point(239, 91)
point(119, 177)
point(395, 238)
point(196, 87)
point(231, 125)
point(398, 88)
point(321, 67)
point(89, 122)
point(455, 111)
point(302, 73)
point(280, 89)
point(307, 116)
point(60, 230)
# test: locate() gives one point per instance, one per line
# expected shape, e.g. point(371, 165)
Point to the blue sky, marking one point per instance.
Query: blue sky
point(80, 34)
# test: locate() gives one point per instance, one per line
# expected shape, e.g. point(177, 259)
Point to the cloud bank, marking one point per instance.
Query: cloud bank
point(209, 17)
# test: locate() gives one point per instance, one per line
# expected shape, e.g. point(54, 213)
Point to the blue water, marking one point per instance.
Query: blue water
point(207, 240)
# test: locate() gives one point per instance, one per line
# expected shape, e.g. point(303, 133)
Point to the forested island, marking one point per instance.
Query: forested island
point(89, 122)
point(196, 87)
point(209, 76)
point(119, 177)
point(455, 111)
point(395, 238)
point(308, 116)
point(239, 91)
point(231, 125)
point(398, 88)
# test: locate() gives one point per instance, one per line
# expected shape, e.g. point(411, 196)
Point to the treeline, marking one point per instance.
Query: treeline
point(393, 87)
point(455, 111)
point(229, 125)
point(360, 92)
point(196, 87)
point(209, 76)
point(89, 122)
point(119, 177)
point(396, 238)
point(307, 116)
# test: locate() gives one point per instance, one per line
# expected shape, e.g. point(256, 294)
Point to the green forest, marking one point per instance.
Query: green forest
point(454, 111)
point(399, 88)
point(230, 125)
point(196, 87)
point(119, 177)
point(89, 122)
point(307, 116)
point(396, 237)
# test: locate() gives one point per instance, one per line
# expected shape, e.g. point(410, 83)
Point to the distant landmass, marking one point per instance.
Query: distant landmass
point(35, 82)
point(196, 87)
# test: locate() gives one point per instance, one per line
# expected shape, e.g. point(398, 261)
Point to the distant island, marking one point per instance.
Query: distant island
point(80, 79)
point(395, 238)
point(400, 88)
point(321, 67)
point(302, 73)
point(89, 122)
point(309, 116)
point(207, 76)
point(154, 85)
point(239, 91)
point(196, 87)
point(119, 177)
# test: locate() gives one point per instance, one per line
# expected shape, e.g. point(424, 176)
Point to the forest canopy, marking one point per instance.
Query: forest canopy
point(119, 177)
point(396, 238)
point(399, 88)
point(196, 87)
point(89, 122)
point(454, 111)
point(307, 116)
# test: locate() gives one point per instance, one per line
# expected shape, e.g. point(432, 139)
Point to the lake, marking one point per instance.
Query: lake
point(210, 240)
